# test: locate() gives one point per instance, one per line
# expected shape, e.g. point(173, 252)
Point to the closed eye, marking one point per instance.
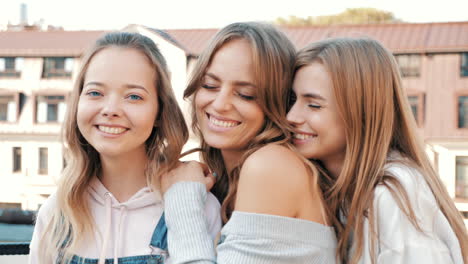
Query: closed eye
point(246, 97)
point(315, 106)
point(209, 87)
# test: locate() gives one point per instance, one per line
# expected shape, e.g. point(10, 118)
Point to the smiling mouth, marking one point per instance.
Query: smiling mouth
point(304, 136)
point(112, 130)
point(222, 123)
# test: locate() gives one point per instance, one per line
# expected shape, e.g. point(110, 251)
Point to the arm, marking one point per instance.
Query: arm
point(42, 220)
point(285, 174)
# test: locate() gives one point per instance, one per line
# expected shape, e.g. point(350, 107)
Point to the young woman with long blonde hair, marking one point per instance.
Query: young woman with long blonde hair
point(123, 129)
point(351, 113)
point(271, 199)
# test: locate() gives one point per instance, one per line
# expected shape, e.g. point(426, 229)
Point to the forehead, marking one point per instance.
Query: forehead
point(120, 64)
point(313, 78)
point(233, 61)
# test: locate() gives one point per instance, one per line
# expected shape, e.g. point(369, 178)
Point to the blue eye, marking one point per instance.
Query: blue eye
point(135, 97)
point(94, 93)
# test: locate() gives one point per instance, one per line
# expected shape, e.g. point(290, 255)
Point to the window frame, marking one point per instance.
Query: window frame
point(16, 98)
point(457, 109)
point(35, 97)
point(20, 160)
point(410, 61)
point(50, 75)
point(463, 67)
point(11, 74)
point(420, 119)
point(456, 181)
point(42, 171)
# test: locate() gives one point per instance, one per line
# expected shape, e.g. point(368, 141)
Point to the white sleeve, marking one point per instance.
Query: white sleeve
point(213, 215)
point(43, 217)
point(399, 240)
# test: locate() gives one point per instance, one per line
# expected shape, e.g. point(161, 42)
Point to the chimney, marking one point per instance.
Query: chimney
point(23, 14)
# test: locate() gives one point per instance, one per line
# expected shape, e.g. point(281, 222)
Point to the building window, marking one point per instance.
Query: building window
point(43, 161)
point(463, 112)
point(464, 64)
point(57, 67)
point(16, 159)
point(50, 108)
point(410, 64)
point(461, 183)
point(11, 66)
point(8, 108)
point(417, 103)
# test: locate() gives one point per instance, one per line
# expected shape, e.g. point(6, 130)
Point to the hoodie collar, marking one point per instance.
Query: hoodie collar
point(143, 198)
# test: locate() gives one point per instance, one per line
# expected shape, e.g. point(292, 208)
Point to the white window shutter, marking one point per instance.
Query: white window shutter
point(2, 64)
point(62, 107)
point(41, 112)
point(19, 64)
point(69, 64)
point(11, 116)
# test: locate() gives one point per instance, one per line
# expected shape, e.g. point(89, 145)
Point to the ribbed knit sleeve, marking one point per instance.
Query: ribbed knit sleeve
point(246, 238)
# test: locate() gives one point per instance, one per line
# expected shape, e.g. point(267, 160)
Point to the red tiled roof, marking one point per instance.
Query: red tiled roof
point(46, 43)
point(400, 38)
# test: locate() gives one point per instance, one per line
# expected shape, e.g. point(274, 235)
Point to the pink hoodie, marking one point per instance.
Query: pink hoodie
point(122, 229)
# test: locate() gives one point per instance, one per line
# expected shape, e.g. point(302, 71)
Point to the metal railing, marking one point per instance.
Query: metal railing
point(14, 248)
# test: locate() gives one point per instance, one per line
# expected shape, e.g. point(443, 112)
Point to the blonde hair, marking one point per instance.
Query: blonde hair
point(71, 221)
point(273, 59)
point(377, 120)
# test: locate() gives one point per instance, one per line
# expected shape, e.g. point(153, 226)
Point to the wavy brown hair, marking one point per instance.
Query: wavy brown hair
point(377, 120)
point(273, 59)
point(71, 220)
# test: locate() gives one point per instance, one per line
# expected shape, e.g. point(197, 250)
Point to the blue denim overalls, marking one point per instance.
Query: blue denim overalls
point(158, 243)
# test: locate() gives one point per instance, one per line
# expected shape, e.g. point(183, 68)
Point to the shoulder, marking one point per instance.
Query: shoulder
point(45, 211)
point(273, 180)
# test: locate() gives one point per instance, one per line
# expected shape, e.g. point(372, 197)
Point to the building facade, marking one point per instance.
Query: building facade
point(37, 69)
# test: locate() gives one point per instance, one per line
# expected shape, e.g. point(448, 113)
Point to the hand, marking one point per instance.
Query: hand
point(190, 171)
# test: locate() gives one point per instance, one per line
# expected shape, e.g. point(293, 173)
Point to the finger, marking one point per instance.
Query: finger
point(205, 168)
point(209, 181)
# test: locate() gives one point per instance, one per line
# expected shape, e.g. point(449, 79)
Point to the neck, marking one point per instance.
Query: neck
point(231, 158)
point(334, 165)
point(124, 175)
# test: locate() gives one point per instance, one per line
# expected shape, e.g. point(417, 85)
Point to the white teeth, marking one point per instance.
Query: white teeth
point(302, 136)
point(221, 123)
point(111, 130)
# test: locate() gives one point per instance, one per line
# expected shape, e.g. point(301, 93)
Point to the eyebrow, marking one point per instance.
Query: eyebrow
point(313, 96)
point(238, 83)
point(128, 86)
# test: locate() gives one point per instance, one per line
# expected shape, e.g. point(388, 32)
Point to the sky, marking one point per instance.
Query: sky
point(170, 14)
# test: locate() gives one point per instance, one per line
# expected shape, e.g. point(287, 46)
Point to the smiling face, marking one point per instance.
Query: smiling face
point(225, 104)
point(118, 105)
point(319, 130)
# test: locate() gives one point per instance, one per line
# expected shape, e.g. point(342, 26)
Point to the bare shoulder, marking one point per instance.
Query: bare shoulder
point(273, 180)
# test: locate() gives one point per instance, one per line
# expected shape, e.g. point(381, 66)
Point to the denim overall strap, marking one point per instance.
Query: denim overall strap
point(159, 238)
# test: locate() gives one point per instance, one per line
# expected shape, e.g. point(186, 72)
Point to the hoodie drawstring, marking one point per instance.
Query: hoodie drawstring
point(102, 257)
point(123, 213)
point(119, 234)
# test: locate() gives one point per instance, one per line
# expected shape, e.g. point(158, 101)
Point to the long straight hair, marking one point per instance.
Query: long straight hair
point(377, 120)
point(71, 221)
point(273, 59)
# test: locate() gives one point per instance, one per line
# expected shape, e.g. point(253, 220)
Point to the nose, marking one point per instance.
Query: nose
point(294, 116)
point(222, 101)
point(111, 107)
